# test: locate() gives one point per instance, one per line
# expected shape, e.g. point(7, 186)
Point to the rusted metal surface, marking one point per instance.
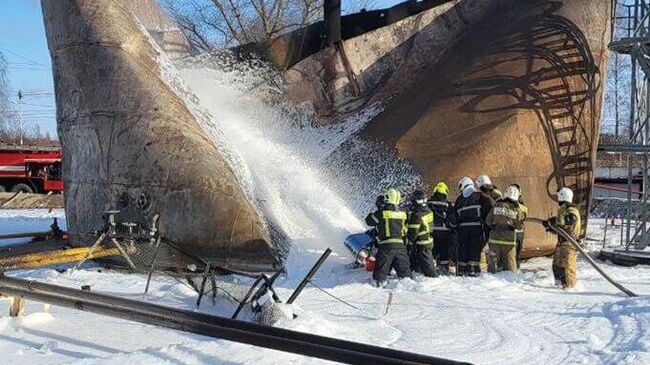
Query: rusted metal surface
point(131, 143)
point(508, 88)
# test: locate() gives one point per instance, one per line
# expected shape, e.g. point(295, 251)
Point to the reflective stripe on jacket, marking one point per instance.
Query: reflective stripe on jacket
point(390, 223)
point(472, 210)
point(420, 225)
point(506, 218)
point(441, 209)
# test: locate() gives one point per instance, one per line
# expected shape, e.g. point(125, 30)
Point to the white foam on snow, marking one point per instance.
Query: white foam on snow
point(495, 319)
point(282, 158)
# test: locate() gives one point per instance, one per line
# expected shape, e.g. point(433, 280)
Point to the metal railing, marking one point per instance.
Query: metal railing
point(630, 35)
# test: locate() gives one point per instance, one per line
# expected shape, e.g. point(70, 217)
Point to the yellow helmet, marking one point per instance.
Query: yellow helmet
point(392, 196)
point(441, 188)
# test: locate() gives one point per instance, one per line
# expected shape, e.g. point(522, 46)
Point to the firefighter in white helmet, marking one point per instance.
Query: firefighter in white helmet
point(567, 218)
point(470, 211)
point(505, 218)
point(485, 185)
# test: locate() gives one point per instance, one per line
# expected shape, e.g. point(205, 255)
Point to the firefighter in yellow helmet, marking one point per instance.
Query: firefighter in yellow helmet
point(505, 218)
point(390, 222)
point(567, 218)
point(443, 235)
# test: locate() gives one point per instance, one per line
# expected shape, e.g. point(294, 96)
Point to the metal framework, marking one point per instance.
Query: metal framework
point(631, 36)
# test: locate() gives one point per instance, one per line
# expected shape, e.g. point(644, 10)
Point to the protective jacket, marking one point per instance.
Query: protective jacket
point(420, 225)
point(523, 205)
point(568, 218)
point(442, 215)
point(524, 209)
point(472, 210)
point(505, 219)
point(494, 193)
point(564, 260)
point(390, 222)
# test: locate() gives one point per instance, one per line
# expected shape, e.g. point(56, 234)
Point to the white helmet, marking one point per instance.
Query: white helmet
point(483, 180)
point(565, 195)
point(511, 193)
point(465, 182)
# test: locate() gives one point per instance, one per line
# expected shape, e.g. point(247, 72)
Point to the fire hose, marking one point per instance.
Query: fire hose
point(584, 254)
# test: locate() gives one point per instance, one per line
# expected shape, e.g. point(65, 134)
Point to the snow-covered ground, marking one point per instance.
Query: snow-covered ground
point(502, 319)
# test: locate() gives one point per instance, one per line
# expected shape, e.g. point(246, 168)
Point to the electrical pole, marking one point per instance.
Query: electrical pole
point(20, 117)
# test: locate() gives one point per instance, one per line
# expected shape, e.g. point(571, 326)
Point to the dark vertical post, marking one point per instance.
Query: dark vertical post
point(632, 126)
point(332, 24)
point(309, 276)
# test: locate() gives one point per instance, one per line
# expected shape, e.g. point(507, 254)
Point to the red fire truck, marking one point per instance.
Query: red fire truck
point(30, 169)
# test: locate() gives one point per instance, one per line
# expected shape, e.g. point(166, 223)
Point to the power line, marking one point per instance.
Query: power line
point(23, 57)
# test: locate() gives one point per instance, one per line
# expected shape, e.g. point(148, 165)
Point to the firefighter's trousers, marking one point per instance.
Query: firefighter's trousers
point(502, 257)
point(391, 255)
point(443, 244)
point(424, 263)
point(520, 245)
point(470, 244)
point(564, 266)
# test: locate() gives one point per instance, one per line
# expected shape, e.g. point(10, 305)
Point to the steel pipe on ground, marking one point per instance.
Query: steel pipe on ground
point(217, 327)
point(23, 235)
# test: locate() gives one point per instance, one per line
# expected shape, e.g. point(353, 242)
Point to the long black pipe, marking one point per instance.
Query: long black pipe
point(23, 235)
point(217, 327)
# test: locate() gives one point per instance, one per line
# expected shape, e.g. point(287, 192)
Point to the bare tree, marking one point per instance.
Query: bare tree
point(211, 24)
point(6, 110)
point(618, 83)
point(617, 95)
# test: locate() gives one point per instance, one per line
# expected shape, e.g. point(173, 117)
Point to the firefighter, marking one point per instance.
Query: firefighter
point(505, 218)
point(485, 185)
point(390, 222)
point(373, 233)
point(567, 218)
point(420, 224)
point(443, 235)
point(520, 233)
point(470, 209)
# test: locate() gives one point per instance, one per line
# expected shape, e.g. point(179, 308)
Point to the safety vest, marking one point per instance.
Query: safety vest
point(505, 218)
point(420, 226)
point(562, 222)
point(390, 223)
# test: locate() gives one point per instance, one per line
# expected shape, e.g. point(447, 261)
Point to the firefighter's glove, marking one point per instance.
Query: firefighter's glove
point(548, 224)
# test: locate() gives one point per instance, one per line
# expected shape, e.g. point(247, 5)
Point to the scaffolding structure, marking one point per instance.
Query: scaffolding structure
point(631, 36)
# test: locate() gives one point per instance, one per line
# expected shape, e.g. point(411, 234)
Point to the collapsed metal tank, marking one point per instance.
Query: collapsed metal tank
point(131, 143)
point(508, 88)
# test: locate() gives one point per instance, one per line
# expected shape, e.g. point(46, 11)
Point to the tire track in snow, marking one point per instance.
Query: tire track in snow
point(630, 321)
